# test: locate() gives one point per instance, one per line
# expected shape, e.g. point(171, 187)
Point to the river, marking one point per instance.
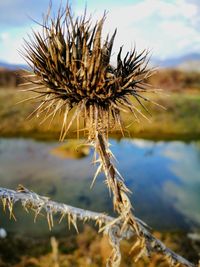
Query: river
point(164, 178)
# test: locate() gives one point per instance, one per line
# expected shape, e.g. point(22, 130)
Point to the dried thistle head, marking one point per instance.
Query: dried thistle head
point(72, 65)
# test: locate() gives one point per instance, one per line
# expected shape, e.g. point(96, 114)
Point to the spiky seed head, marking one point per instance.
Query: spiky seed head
point(72, 65)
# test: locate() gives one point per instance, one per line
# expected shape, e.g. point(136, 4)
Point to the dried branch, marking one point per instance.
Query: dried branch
point(31, 200)
point(121, 201)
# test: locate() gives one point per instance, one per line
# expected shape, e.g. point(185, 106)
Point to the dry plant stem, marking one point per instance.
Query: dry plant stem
point(119, 190)
point(37, 203)
point(121, 202)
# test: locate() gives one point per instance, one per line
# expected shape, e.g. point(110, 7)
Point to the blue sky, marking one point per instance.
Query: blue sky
point(168, 28)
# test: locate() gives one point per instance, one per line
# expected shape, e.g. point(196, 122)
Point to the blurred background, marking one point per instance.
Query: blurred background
point(159, 158)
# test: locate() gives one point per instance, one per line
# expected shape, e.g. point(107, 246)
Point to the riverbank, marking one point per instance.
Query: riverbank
point(180, 120)
point(85, 249)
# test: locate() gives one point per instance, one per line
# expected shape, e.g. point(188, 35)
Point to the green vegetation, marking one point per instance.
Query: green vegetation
point(179, 121)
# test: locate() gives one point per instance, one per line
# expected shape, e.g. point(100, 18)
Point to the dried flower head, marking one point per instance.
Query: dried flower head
point(72, 65)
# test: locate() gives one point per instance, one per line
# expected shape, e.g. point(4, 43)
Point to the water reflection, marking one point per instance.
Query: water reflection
point(186, 165)
point(163, 176)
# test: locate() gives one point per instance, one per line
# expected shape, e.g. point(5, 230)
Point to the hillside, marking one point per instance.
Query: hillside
point(8, 66)
point(177, 62)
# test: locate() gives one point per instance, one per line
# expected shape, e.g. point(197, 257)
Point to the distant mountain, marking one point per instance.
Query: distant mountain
point(8, 66)
point(189, 62)
point(190, 65)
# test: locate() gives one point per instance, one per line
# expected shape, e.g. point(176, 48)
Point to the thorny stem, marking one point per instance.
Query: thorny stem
point(121, 200)
point(31, 200)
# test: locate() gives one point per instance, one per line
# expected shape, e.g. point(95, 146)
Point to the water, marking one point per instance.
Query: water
point(163, 176)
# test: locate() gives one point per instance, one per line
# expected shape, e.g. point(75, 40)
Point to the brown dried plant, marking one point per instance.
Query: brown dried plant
point(42, 205)
point(72, 70)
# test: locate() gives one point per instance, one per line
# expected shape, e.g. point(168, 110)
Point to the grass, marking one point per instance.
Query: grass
point(179, 121)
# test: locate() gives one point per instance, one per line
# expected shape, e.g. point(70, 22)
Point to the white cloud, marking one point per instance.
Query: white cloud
point(11, 43)
point(177, 8)
point(4, 36)
point(168, 28)
point(10, 53)
point(186, 9)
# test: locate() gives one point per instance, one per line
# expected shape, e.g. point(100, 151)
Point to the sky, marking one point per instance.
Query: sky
point(168, 28)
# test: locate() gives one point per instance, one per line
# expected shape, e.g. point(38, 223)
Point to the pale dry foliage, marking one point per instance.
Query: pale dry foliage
point(43, 205)
point(71, 70)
